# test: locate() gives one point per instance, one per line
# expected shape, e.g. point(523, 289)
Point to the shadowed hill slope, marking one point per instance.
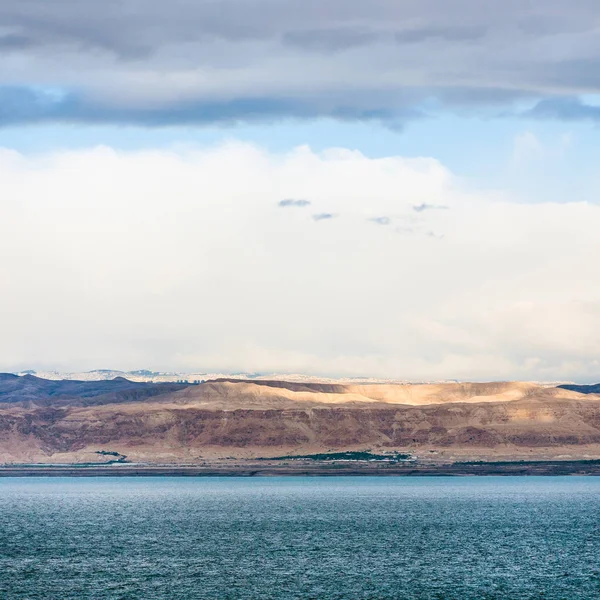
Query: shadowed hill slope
point(31, 389)
point(582, 389)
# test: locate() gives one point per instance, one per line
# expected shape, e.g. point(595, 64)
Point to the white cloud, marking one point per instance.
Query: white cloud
point(184, 259)
point(528, 147)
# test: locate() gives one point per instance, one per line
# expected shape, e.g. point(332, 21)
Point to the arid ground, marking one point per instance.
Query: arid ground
point(119, 421)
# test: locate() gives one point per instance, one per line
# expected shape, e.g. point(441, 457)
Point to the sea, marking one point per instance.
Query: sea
point(319, 538)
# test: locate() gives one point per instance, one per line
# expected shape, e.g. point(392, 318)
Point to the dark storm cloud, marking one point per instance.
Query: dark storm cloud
point(199, 61)
point(293, 202)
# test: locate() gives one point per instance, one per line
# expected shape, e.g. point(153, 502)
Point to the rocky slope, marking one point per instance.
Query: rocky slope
point(190, 424)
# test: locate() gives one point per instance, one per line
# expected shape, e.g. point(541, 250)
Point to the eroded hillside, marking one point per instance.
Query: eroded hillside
point(270, 418)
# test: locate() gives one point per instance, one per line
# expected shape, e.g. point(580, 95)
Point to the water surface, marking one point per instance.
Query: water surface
point(294, 537)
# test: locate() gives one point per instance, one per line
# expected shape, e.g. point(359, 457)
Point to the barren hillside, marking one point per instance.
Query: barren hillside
point(270, 418)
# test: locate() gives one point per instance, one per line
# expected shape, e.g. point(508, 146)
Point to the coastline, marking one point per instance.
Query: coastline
point(303, 468)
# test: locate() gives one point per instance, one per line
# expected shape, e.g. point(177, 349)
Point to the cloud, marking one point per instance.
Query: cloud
point(21, 105)
point(565, 109)
point(450, 34)
point(323, 216)
point(182, 62)
point(328, 40)
point(292, 202)
point(13, 42)
point(405, 230)
point(424, 206)
point(146, 260)
point(527, 147)
point(381, 220)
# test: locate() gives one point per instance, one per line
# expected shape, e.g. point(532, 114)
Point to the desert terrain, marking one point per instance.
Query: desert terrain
point(234, 421)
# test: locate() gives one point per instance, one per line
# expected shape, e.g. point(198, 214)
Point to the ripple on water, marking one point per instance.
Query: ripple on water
point(321, 538)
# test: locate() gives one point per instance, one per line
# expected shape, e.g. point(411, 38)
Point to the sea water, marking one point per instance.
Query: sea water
point(299, 537)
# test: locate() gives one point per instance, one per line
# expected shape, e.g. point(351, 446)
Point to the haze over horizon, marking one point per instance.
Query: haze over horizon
point(208, 375)
point(403, 190)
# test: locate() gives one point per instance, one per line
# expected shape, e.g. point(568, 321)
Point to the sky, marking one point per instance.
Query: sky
point(393, 188)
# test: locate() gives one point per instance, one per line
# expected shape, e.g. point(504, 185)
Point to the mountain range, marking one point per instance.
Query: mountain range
point(67, 421)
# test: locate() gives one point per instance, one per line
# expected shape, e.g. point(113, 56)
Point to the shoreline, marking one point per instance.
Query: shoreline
point(316, 469)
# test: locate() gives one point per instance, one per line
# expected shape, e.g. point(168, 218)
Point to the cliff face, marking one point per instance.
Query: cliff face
point(241, 419)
